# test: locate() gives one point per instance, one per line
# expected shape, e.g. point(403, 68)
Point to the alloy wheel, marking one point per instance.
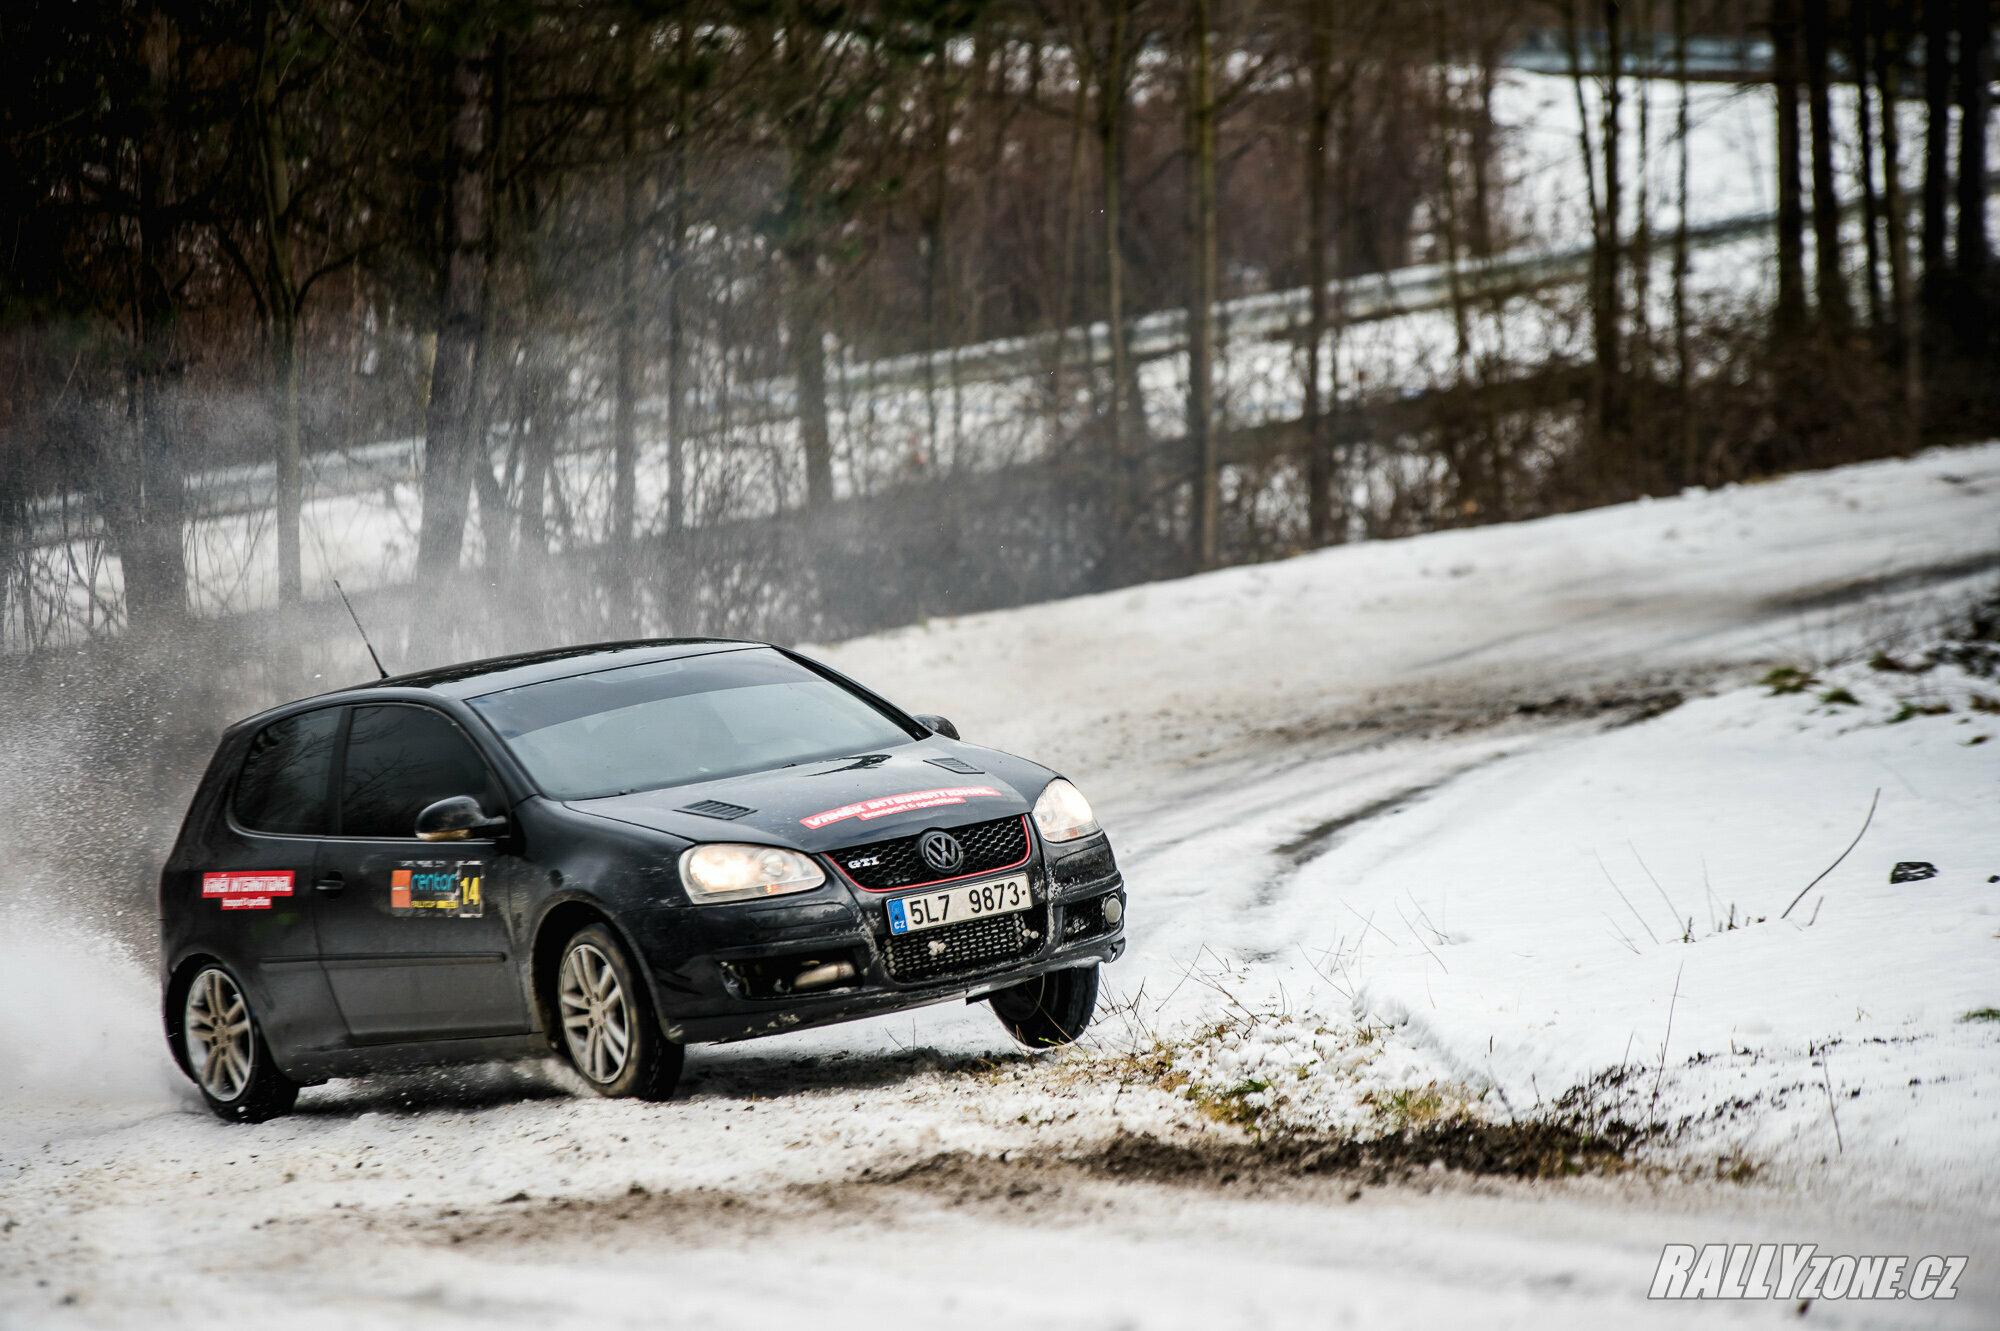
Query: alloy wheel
point(220, 1045)
point(596, 1016)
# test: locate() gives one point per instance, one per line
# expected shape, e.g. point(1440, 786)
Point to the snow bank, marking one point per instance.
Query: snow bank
point(1622, 901)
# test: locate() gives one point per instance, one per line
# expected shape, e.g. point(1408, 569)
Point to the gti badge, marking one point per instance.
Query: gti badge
point(941, 851)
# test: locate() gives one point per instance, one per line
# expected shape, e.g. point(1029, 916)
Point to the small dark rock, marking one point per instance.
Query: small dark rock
point(1912, 871)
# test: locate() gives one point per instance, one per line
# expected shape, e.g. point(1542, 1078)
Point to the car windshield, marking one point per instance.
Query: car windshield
point(671, 723)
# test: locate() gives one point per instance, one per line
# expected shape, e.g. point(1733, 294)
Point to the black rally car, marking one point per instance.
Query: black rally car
point(611, 851)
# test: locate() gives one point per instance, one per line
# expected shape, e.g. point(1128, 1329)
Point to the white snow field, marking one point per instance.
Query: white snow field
point(1412, 830)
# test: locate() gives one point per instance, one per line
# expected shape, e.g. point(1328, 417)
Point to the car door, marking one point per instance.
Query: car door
point(411, 945)
point(255, 906)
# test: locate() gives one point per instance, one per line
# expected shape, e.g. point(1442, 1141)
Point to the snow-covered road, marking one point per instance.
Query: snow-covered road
point(1462, 820)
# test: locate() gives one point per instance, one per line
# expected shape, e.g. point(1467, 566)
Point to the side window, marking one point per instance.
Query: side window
point(283, 784)
point(401, 758)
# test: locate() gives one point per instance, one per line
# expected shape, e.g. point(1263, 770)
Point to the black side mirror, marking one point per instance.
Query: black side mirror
point(938, 725)
point(455, 819)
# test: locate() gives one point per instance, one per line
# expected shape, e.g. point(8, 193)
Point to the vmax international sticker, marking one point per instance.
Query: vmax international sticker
point(908, 802)
point(247, 889)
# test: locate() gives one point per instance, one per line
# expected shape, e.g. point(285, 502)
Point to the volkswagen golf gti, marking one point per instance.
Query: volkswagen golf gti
point(609, 853)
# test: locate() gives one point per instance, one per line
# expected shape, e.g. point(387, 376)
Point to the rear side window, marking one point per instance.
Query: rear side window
point(400, 759)
point(283, 786)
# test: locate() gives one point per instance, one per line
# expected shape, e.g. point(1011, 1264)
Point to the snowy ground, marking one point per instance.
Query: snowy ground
point(1413, 830)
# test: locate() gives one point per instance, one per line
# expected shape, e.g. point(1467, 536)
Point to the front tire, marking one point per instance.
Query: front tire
point(226, 1054)
point(608, 1029)
point(1051, 1009)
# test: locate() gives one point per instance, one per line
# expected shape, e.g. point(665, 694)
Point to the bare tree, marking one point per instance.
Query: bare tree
point(1201, 423)
point(1975, 44)
point(1322, 476)
point(1785, 61)
point(1889, 70)
point(1835, 310)
point(450, 445)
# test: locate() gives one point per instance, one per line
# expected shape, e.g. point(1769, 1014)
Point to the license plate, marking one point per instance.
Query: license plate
point(955, 905)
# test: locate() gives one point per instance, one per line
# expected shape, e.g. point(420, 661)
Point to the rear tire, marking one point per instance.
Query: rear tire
point(226, 1054)
point(1051, 1009)
point(608, 1029)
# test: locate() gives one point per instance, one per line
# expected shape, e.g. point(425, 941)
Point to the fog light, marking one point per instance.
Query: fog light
point(1114, 910)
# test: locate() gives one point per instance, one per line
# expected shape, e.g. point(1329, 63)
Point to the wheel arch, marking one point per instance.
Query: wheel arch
point(173, 1001)
point(557, 926)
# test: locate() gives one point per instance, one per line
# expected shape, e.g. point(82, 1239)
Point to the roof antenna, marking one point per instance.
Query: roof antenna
point(362, 631)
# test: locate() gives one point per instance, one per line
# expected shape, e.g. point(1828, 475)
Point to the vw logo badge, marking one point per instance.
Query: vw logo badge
point(941, 851)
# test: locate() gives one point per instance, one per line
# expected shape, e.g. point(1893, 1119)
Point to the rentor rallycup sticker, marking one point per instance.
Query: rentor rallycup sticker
point(247, 889)
point(904, 803)
point(450, 888)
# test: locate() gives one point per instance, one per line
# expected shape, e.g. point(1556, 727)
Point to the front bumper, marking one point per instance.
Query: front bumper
point(726, 973)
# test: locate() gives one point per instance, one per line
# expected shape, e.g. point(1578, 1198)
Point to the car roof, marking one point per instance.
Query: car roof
point(470, 679)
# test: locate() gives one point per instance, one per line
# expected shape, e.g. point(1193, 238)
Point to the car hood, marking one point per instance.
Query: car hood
point(840, 802)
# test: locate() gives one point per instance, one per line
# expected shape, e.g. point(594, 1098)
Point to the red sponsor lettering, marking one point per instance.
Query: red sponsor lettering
point(247, 889)
point(907, 802)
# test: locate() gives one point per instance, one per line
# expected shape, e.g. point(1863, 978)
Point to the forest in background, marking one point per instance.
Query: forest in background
point(552, 241)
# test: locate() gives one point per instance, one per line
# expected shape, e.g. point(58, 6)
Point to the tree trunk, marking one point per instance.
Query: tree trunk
point(808, 356)
point(1607, 314)
point(1902, 284)
point(538, 457)
point(148, 512)
point(282, 281)
point(1835, 309)
point(449, 445)
point(677, 357)
point(1064, 309)
point(1975, 36)
point(290, 456)
point(1321, 474)
point(1639, 339)
point(677, 387)
point(937, 265)
point(1111, 94)
point(1691, 471)
point(1791, 313)
point(1937, 144)
point(625, 369)
point(1202, 290)
point(1861, 45)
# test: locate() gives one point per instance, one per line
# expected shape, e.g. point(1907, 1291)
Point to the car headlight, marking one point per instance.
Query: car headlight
point(722, 871)
point(1063, 813)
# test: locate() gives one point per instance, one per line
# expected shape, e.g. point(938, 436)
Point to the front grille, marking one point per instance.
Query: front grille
point(960, 949)
point(999, 844)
